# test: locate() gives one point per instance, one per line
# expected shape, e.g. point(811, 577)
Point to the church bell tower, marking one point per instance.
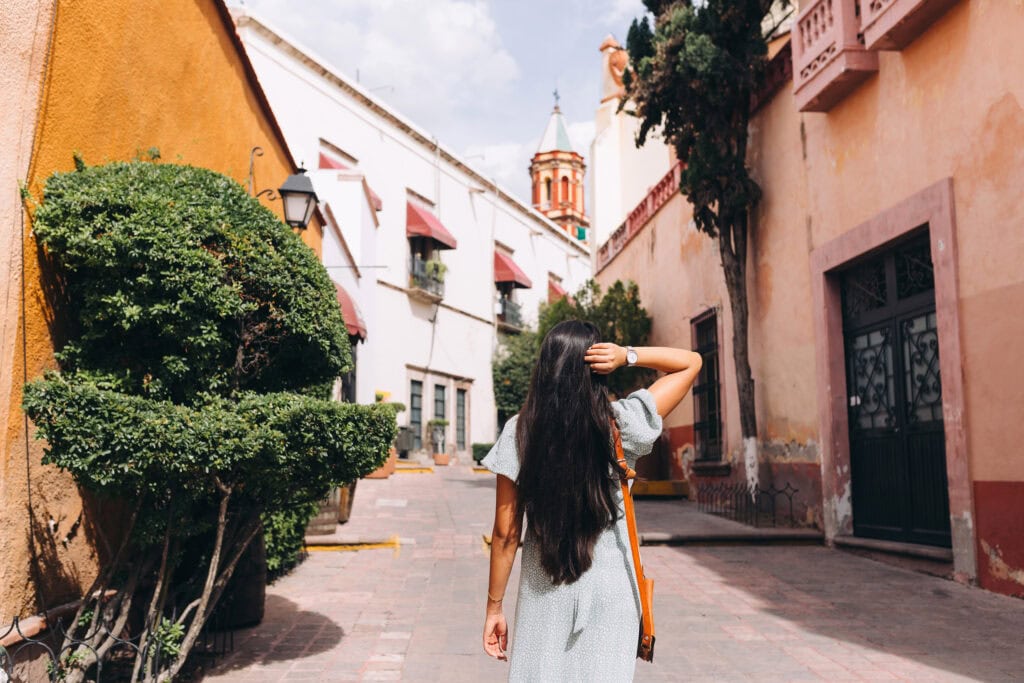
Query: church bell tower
point(557, 173)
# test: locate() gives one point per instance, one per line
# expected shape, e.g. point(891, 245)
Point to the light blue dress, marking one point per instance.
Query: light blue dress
point(587, 630)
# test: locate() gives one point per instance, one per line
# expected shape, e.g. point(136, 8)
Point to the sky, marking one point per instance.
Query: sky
point(477, 74)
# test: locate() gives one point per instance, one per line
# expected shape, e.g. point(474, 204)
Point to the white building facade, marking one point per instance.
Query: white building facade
point(438, 259)
point(620, 174)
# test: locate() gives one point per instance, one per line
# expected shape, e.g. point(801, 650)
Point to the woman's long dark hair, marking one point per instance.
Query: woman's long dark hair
point(565, 482)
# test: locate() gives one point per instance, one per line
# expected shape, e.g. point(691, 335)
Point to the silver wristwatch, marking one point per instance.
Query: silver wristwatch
point(630, 356)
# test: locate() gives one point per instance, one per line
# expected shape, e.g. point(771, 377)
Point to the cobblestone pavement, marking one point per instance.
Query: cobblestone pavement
point(414, 612)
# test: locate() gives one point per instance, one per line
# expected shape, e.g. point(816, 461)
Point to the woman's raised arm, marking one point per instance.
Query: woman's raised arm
point(681, 368)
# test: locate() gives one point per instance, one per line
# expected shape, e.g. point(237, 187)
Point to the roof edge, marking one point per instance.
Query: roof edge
point(243, 18)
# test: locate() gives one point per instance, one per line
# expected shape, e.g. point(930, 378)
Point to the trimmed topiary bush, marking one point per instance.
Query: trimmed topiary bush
point(480, 451)
point(204, 340)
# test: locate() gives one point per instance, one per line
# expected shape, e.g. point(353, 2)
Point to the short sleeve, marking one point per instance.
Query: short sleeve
point(503, 457)
point(639, 424)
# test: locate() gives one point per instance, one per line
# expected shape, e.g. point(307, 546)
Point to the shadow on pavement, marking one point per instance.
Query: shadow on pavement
point(287, 633)
point(814, 595)
point(479, 481)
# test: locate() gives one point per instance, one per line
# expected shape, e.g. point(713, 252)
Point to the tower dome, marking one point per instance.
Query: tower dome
point(557, 171)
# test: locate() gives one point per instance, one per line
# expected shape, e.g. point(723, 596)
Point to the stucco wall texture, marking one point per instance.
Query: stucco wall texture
point(949, 105)
point(118, 82)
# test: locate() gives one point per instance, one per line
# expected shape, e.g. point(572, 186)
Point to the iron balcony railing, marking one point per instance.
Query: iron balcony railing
point(420, 277)
point(511, 313)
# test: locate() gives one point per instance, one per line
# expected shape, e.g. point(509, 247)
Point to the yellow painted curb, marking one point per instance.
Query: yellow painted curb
point(661, 488)
point(392, 542)
point(414, 470)
point(481, 470)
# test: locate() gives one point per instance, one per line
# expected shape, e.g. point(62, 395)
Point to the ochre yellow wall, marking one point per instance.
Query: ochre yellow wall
point(121, 79)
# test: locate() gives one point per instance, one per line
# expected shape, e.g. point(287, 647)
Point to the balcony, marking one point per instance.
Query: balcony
point(426, 280)
point(893, 24)
point(510, 315)
point(829, 57)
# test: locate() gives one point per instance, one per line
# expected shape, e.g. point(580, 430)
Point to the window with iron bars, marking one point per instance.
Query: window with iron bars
point(707, 408)
point(416, 413)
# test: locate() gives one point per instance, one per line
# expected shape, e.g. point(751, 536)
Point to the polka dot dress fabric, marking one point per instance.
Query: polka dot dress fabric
point(585, 631)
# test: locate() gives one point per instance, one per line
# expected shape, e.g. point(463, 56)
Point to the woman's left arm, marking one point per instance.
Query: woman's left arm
point(508, 523)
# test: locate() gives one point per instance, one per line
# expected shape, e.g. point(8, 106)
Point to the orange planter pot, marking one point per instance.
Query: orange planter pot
point(387, 469)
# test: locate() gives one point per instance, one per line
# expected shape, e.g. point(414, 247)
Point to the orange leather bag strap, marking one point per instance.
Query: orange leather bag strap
point(644, 587)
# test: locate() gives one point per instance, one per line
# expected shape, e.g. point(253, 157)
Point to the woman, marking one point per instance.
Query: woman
point(578, 611)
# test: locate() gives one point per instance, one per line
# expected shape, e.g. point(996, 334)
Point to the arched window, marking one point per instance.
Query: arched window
point(565, 189)
point(547, 185)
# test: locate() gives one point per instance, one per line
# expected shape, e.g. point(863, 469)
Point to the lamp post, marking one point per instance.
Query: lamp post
point(299, 199)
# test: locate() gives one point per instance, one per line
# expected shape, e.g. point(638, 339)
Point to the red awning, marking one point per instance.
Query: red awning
point(350, 312)
point(375, 199)
point(328, 162)
point(506, 270)
point(419, 222)
point(555, 292)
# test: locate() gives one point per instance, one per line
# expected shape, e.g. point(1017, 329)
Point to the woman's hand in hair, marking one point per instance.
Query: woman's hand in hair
point(605, 357)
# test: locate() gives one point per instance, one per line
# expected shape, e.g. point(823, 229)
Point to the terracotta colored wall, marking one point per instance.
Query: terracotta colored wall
point(947, 106)
point(1000, 523)
point(119, 81)
point(678, 271)
point(24, 27)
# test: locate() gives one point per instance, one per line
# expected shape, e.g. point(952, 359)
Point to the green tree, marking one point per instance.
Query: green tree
point(205, 337)
point(617, 313)
point(692, 77)
point(511, 371)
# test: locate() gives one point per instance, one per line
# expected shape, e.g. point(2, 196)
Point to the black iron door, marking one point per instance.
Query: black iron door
point(897, 444)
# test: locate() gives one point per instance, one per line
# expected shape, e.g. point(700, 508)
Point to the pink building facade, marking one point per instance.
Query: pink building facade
point(884, 285)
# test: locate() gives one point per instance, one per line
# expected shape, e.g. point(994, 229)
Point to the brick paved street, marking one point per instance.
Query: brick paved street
point(724, 613)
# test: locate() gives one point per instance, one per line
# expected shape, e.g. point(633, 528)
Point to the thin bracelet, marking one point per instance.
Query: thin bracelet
point(494, 599)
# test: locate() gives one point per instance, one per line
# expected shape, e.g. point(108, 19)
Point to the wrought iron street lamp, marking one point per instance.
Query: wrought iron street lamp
point(299, 199)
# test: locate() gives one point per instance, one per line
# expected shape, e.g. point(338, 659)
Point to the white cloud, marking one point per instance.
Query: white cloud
point(619, 11)
point(508, 162)
point(435, 58)
point(581, 134)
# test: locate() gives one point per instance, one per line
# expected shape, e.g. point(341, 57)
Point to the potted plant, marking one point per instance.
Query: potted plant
point(389, 466)
point(480, 451)
point(435, 432)
point(436, 269)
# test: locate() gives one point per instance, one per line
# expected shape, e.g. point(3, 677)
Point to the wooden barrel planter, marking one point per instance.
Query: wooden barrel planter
point(244, 596)
point(326, 520)
point(347, 496)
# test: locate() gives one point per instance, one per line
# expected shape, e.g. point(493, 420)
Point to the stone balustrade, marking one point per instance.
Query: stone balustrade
point(893, 24)
point(829, 58)
point(656, 197)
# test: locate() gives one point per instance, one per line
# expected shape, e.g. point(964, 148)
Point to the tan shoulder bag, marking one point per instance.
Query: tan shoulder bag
point(645, 586)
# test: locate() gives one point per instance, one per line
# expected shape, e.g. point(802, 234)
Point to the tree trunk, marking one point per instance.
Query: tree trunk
point(732, 245)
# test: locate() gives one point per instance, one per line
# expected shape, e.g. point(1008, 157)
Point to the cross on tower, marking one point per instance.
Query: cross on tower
point(556, 97)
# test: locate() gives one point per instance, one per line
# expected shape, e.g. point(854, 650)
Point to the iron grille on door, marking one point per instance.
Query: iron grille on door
point(897, 445)
point(707, 411)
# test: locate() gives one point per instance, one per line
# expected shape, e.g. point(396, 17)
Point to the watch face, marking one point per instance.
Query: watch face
point(631, 356)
